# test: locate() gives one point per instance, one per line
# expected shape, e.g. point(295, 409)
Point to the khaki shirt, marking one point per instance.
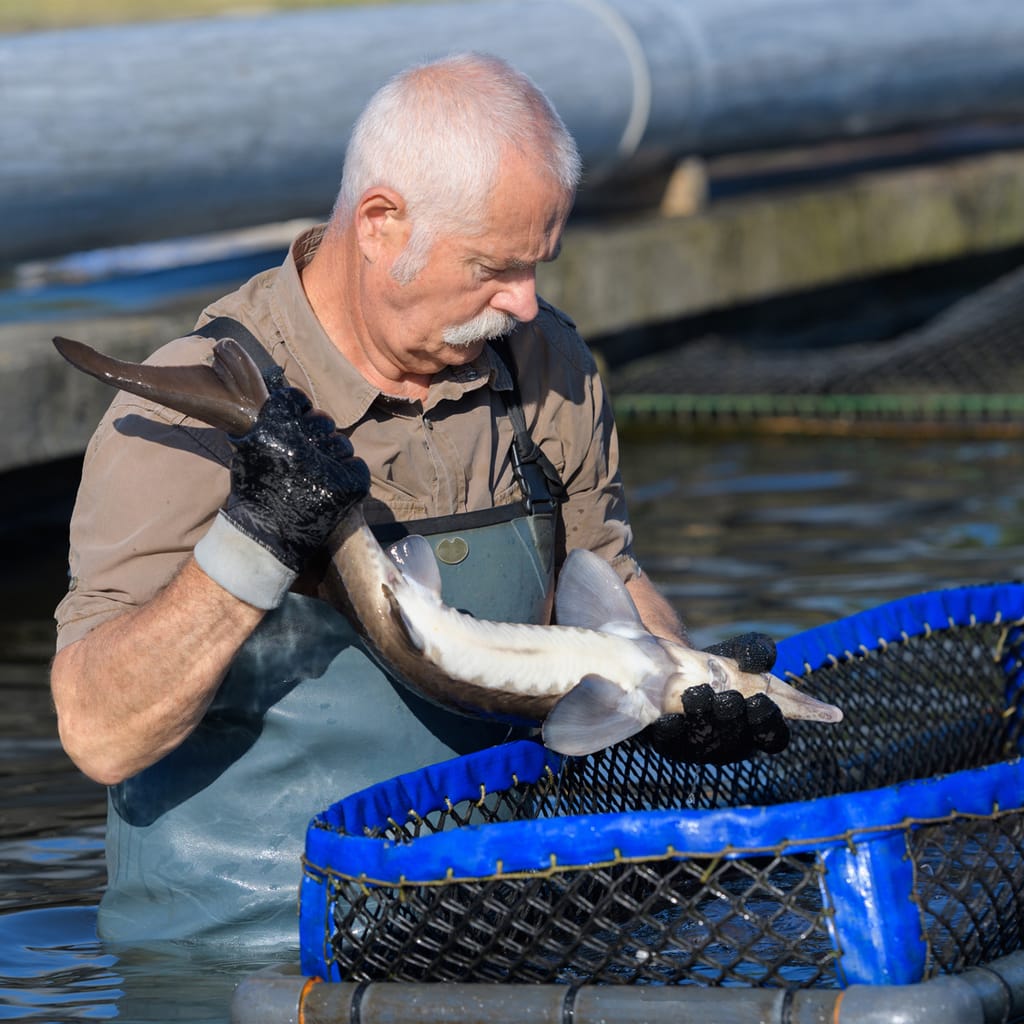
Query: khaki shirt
point(153, 479)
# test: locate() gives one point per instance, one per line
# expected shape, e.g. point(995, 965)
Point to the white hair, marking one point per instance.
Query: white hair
point(487, 325)
point(436, 134)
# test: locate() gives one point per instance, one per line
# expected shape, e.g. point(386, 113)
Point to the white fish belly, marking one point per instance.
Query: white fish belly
point(522, 659)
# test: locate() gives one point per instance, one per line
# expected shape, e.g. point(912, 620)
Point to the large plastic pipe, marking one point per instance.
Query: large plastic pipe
point(991, 994)
point(116, 135)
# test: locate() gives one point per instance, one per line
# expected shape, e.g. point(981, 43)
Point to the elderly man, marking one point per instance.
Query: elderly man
point(198, 675)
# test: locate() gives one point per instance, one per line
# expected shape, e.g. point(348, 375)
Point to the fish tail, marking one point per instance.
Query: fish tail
point(227, 394)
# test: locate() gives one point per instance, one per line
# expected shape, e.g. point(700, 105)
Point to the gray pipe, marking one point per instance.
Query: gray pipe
point(992, 994)
point(117, 135)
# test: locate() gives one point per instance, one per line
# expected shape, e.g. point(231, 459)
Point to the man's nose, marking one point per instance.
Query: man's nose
point(518, 296)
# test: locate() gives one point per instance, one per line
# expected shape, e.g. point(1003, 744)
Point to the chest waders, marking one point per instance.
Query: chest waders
point(206, 844)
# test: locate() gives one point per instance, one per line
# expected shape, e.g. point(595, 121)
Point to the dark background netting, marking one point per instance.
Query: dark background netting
point(965, 364)
point(928, 705)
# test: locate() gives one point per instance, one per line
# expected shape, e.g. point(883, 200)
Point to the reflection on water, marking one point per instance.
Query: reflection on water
point(55, 969)
point(774, 534)
point(782, 534)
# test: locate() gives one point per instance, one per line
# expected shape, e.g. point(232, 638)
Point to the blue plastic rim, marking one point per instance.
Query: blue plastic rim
point(896, 620)
point(860, 837)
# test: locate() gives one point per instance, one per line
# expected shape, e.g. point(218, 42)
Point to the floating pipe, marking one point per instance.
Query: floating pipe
point(123, 134)
point(991, 994)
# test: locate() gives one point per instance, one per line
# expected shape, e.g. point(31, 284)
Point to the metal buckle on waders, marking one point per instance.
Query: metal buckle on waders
point(539, 481)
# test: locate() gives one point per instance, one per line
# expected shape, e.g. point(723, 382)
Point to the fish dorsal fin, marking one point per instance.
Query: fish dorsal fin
point(594, 714)
point(590, 594)
point(415, 558)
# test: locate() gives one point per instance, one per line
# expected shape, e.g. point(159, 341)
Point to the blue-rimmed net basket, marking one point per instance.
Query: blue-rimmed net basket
point(886, 849)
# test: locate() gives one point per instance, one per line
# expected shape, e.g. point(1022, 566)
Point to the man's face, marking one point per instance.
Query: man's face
point(471, 288)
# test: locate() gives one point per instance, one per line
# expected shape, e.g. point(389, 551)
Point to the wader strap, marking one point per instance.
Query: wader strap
point(539, 480)
point(542, 486)
point(228, 327)
point(388, 533)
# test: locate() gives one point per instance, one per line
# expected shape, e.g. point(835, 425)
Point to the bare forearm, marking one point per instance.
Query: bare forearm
point(136, 686)
point(655, 611)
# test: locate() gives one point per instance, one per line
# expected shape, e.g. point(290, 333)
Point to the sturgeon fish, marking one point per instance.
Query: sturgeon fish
point(594, 679)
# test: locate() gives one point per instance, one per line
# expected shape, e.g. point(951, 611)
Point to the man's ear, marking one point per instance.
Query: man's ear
point(382, 226)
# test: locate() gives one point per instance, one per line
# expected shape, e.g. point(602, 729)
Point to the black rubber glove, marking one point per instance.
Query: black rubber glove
point(720, 728)
point(293, 478)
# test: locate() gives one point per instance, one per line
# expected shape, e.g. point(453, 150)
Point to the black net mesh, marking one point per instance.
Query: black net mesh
point(752, 921)
point(928, 705)
point(970, 877)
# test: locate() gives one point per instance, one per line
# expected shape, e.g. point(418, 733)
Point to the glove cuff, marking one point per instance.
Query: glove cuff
point(243, 566)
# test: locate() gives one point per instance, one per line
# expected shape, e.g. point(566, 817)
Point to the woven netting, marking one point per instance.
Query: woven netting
point(967, 363)
point(930, 704)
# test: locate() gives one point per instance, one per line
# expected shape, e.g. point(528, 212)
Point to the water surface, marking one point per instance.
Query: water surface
point(774, 534)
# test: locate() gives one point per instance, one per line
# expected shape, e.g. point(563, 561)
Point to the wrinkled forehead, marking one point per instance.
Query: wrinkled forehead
point(503, 254)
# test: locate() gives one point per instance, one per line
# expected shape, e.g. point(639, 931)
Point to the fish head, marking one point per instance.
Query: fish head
point(696, 668)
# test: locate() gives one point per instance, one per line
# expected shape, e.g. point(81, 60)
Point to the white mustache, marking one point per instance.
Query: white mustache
point(491, 323)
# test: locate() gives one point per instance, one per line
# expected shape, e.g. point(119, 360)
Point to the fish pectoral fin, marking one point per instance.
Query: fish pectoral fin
point(414, 558)
point(594, 714)
point(590, 595)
